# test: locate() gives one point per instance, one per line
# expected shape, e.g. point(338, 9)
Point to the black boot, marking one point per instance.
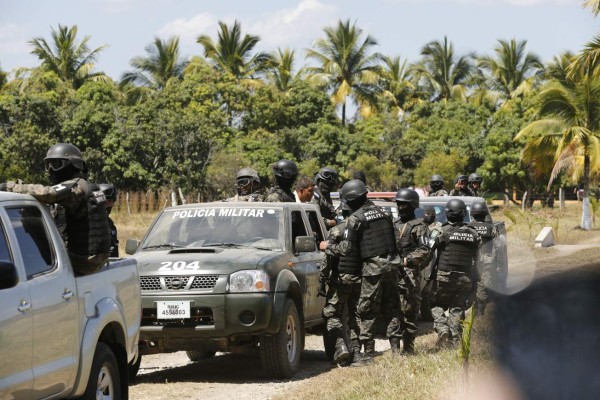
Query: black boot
point(395, 345)
point(356, 355)
point(341, 351)
point(367, 357)
point(408, 341)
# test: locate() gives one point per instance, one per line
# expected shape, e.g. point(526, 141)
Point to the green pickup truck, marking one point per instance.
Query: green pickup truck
point(231, 276)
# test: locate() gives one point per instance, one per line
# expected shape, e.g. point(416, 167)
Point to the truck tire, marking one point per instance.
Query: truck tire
point(194, 355)
point(134, 367)
point(104, 381)
point(280, 353)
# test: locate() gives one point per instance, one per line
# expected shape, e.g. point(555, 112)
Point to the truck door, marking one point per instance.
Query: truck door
point(320, 235)
point(16, 333)
point(53, 300)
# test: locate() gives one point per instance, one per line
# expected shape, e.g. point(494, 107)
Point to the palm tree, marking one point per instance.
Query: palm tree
point(163, 62)
point(443, 74)
point(568, 130)
point(558, 68)
point(513, 71)
point(589, 58)
point(71, 60)
point(282, 73)
point(594, 5)
point(232, 53)
point(397, 89)
point(346, 67)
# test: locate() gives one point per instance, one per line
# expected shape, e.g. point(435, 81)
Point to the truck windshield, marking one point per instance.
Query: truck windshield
point(216, 226)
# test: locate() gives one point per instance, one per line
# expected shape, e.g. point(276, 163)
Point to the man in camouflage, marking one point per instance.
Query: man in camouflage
point(411, 240)
point(486, 263)
point(78, 207)
point(327, 181)
point(247, 183)
point(461, 187)
point(475, 182)
point(342, 274)
point(285, 172)
point(436, 186)
point(369, 236)
point(456, 274)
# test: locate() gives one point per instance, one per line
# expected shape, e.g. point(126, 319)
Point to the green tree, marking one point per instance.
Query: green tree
point(3, 78)
point(441, 72)
point(282, 74)
point(233, 53)
point(164, 62)
point(346, 66)
point(447, 165)
point(568, 128)
point(588, 60)
point(71, 60)
point(397, 90)
point(512, 71)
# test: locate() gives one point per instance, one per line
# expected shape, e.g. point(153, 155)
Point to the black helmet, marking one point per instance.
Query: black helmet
point(245, 176)
point(455, 210)
point(475, 178)
point(479, 210)
point(461, 178)
point(408, 196)
point(436, 178)
point(353, 189)
point(436, 182)
point(109, 191)
point(285, 169)
point(61, 155)
point(327, 175)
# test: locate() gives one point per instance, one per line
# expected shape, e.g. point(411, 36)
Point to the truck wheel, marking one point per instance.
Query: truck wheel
point(104, 381)
point(328, 344)
point(280, 353)
point(134, 367)
point(194, 355)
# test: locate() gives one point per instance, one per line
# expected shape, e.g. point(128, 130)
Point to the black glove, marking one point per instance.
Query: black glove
point(322, 288)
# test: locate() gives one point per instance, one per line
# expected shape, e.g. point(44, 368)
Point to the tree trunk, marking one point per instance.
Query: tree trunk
point(561, 197)
point(586, 216)
point(344, 113)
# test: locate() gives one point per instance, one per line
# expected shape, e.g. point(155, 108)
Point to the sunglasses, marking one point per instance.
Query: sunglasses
point(55, 164)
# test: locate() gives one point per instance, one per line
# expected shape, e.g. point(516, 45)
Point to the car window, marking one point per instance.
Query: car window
point(197, 227)
point(298, 227)
point(32, 237)
point(440, 213)
point(4, 251)
point(315, 225)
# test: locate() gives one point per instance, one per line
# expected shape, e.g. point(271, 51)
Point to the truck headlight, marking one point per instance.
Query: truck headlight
point(248, 281)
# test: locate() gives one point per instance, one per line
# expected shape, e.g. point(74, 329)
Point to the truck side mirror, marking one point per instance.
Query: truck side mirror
point(8, 275)
point(304, 244)
point(131, 246)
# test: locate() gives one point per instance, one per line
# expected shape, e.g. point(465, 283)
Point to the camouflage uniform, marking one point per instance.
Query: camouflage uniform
point(279, 195)
point(486, 263)
point(247, 197)
point(114, 241)
point(441, 192)
point(461, 192)
point(411, 239)
point(344, 290)
point(81, 218)
point(325, 205)
point(455, 279)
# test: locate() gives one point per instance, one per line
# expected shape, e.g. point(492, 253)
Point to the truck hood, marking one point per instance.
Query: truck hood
point(219, 261)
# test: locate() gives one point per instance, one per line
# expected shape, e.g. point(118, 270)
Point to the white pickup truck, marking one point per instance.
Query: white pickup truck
point(61, 336)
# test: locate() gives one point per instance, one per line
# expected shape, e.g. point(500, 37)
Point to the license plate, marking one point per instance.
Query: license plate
point(172, 309)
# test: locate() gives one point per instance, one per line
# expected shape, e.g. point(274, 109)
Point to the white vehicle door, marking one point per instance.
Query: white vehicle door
point(16, 334)
point(54, 303)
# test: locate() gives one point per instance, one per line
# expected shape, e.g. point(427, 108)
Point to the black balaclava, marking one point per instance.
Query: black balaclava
point(406, 213)
point(429, 215)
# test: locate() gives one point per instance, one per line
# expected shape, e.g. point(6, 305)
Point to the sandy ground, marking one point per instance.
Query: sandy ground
point(229, 376)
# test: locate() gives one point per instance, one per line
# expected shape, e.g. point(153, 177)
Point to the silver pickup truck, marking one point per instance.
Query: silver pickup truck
point(61, 336)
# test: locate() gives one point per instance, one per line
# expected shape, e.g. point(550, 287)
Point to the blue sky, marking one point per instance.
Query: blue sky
point(401, 27)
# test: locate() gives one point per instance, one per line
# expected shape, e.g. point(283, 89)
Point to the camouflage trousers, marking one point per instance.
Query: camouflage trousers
point(379, 296)
point(340, 297)
point(483, 286)
point(410, 296)
point(449, 301)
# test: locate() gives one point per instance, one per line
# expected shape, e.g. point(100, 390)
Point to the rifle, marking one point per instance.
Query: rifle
point(433, 245)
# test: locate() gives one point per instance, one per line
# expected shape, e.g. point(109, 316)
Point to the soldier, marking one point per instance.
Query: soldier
point(436, 184)
point(343, 276)
point(111, 196)
point(327, 181)
point(81, 214)
point(247, 183)
point(369, 234)
point(285, 172)
point(475, 182)
point(305, 189)
point(360, 175)
point(411, 240)
point(456, 273)
point(461, 187)
point(486, 265)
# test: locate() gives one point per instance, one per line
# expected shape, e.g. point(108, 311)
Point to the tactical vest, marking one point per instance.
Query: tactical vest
point(486, 233)
point(377, 232)
point(87, 226)
point(404, 230)
point(460, 249)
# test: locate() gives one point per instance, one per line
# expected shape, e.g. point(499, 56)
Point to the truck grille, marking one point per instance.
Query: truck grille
point(170, 283)
point(199, 316)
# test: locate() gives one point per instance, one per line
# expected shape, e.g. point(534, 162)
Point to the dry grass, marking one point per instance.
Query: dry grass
point(132, 226)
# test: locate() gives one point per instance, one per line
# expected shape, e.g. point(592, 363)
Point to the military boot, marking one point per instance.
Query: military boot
point(395, 345)
point(368, 355)
point(408, 341)
point(356, 355)
point(341, 351)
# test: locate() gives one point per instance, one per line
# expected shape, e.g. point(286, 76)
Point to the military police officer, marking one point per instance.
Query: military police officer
point(111, 196)
point(81, 214)
point(327, 181)
point(461, 187)
point(436, 184)
point(486, 263)
point(411, 241)
point(285, 172)
point(247, 183)
point(475, 182)
point(456, 273)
